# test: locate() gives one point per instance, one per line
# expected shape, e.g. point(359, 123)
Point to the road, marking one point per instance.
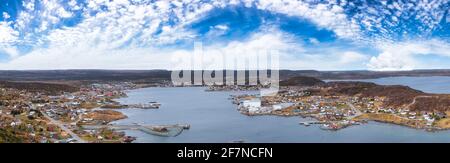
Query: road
point(356, 110)
point(61, 125)
point(414, 101)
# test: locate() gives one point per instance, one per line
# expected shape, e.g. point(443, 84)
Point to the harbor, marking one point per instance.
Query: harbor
point(214, 119)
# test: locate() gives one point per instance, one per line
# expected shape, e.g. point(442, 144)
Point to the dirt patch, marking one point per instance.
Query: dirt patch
point(106, 115)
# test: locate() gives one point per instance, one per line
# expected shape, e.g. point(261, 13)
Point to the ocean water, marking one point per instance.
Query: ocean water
point(213, 118)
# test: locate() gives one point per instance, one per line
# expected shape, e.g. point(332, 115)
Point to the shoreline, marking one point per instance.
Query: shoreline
point(281, 115)
point(341, 123)
point(427, 129)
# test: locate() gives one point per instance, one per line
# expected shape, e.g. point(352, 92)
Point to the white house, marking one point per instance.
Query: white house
point(252, 105)
point(277, 107)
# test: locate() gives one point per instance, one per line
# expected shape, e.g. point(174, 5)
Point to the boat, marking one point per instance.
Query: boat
point(305, 123)
point(238, 141)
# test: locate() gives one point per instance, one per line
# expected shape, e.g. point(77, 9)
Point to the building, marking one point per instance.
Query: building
point(256, 103)
point(252, 105)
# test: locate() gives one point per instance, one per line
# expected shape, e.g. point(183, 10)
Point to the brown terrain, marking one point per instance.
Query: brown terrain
point(302, 81)
point(43, 87)
point(396, 96)
point(106, 115)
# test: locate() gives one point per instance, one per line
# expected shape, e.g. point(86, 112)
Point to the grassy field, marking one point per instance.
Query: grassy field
point(443, 123)
point(390, 118)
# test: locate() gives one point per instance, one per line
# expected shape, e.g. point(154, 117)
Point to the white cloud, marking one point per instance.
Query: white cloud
point(124, 24)
point(63, 13)
point(352, 57)
point(388, 18)
point(387, 61)
point(221, 27)
point(401, 56)
point(325, 59)
point(6, 15)
point(60, 57)
point(314, 41)
point(7, 34)
point(29, 5)
point(217, 30)
point(141, 20)
point(10, 51)
point(121, 34)
point(327, 16)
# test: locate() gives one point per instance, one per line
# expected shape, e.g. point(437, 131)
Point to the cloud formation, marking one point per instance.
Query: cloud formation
point(130, 34)
point(401, 56)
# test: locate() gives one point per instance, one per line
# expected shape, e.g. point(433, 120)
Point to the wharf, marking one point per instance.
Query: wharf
point(158, 130)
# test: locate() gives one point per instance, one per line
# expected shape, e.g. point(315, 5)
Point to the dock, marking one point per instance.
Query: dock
point(158, 130)
point(307, 123)
point(151, 105)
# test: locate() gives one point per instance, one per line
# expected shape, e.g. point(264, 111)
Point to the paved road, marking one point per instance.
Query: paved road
point(61, 125)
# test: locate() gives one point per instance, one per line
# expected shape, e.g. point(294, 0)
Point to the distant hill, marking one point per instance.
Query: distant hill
point(361, 74)
point(49, 88)
point(302, 81)
point(155, 75)
point(159, 75)
point(85, 75)
point(396, 96)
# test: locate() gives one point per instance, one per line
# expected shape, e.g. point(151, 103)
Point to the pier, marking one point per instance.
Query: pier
point(307, 123)
point(151, 105)
point(158, 130)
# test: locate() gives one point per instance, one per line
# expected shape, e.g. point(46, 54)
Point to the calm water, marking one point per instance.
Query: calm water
point(213, 118)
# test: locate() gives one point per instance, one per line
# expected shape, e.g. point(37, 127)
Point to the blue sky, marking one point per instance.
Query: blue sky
point(147, 34)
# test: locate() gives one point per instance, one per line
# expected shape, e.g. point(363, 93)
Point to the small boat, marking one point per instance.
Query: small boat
point(238, 141)
point(305, 123)
point(185, 126)
point(155, 104)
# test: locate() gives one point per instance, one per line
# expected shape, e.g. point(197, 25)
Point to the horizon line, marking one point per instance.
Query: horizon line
point(108, 69)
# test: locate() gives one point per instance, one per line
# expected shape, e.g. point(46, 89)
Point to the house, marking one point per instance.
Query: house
point(252, 103)
point(277, 107)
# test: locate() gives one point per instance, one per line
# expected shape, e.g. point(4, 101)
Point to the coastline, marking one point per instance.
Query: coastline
point(139, 117)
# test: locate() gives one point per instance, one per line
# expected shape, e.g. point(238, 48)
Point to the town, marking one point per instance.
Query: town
point(83, 114)
point(69, 117)
point(334, 112)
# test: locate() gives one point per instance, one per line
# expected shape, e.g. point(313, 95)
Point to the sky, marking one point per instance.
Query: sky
point(147, 34)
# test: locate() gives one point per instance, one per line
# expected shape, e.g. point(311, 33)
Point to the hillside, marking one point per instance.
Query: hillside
point(396, 96)
point(159, 75)
point(302, 81)
point(49, 88)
